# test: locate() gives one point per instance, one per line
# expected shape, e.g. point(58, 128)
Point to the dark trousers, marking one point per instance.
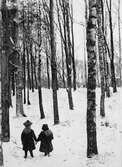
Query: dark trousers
point(26, 153)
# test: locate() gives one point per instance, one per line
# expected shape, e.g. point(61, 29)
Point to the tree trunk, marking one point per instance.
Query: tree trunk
point(40, 102)
point(48, 74)
point(119, 30)
point(85, 34)
point(19, 97)
point(47, 63)
point(85, 63)
point(73, 53)
point(10, 99)
point(19, 74)
point(32, 69)
point(97, 65)
point(53, 64)
point(107, 75)
point(1, 149)
point(4, 71)
point(63, 73)
point(35, 76)
point(62, 41)
point(101, 50)
point(13, 82)
point(24, 72)
point(24, 57)
point(67, 52)
point(91, 86)
point(28, 77)
point(29, 86)
point(42, 115)
point(113, 78)
point(39, 29)
point(107, 89)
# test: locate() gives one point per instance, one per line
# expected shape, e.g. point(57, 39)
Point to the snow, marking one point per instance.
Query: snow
point(70, 142)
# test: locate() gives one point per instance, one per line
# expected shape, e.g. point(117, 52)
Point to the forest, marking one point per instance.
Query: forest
point(60, 63)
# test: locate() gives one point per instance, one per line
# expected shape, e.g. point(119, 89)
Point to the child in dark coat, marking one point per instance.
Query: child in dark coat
point(45, 137)
point(28, 137)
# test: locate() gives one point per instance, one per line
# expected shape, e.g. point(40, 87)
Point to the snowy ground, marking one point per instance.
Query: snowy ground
point(70, 134)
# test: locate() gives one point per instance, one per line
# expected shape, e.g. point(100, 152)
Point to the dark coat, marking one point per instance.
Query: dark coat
point(46, 141)
point(28, 137)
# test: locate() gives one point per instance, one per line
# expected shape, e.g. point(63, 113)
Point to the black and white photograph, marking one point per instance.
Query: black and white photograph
point(60, 83)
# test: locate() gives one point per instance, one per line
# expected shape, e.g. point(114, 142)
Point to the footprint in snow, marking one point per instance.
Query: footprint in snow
point(65, 160)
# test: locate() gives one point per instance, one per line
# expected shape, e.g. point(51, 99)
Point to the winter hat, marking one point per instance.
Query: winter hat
point(27, 123)
point(45, 127)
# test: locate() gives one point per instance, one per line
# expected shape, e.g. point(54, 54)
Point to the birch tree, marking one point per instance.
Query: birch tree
point(101, 49)
point(91, 86)
point(6, 50)
point(19, 71)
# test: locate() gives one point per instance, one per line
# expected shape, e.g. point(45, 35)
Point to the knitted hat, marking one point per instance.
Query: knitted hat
point(27, 123)
point(45, 127)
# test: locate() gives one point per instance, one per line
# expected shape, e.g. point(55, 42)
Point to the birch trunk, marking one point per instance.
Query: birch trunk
point(101, 50)
point(19, 72)
point(91, 86)
point(4, 70)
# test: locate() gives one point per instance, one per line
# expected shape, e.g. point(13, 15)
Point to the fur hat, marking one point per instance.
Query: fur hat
point(45, 127)
point(27, 123)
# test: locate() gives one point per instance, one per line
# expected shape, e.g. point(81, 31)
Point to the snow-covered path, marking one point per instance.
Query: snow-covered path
point(70, 134)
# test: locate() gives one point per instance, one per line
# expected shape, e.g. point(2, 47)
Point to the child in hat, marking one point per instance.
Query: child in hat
point(28, 137)
point(45, 137)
